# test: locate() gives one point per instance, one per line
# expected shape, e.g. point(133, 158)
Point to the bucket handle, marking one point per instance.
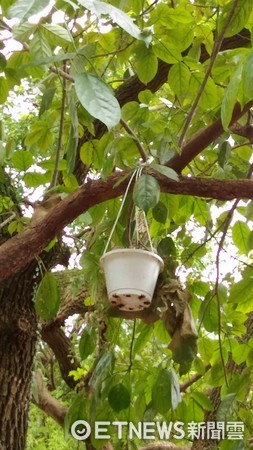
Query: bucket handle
point(136, 173)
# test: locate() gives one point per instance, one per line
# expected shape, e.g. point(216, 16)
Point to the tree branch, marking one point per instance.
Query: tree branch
point(17, 252)
point(61, 346)
point(202, 139)
point(47, 403)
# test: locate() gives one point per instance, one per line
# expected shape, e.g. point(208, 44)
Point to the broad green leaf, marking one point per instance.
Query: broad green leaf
point(39, 135)
point(57, 32)
point(3, 62)
point(146, 63)
point(4, 89)
point(161, 392)
point(103, 367)
point(87, 342)
point(240, 234)
point(202, 400)
point(166, 171)
point(146, 192)
point(97, 98)
point(143, 337)
point(23, 9)
point(46, 100)
point(39, 46)
point(47, 299)
point(243, 288)
point(119, 17)
point(179, 78)
point(240, 17)
point(71, 150)
point(226, 408)
point(76, 411)
point(247, 78)
point(169, 54)
point(33, 179)
point(23, 31)
point(119, 397)
point(22, 160)
point(230, 97)
point(160, 213)
point(175, 389)
point(166, 391)
point(166, 247)
point(224, 154)
point(240, 352)
point(209, 97)
point(208, 313)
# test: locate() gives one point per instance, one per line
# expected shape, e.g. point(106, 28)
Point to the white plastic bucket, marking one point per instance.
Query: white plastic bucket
point(131, 276)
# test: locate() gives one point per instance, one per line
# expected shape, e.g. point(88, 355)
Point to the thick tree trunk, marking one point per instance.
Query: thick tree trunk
point(18, 330)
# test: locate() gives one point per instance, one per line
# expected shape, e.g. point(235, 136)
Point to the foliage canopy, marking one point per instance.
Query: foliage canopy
point(91, 93)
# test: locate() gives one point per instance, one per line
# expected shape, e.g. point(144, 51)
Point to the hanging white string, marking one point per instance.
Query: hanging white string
point(119, 212)
point(137, 173)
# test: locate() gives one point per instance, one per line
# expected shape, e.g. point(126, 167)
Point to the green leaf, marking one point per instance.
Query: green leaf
point(146, 63)
point(97, 98)
point(166, 391)
point(47, 300)
point(146, 192)
point(22, 160)
point(119, 17)
point(166, 247)
point(179, 78)
point(160, 213)
point(166, 171)
point(224, 154)
point(143, 337)
point(46, 100)
point(33, 179)
point(40, 135)
point(23, 9)
point(87, 342)
point(202, 400)
point(208, 313)
point(119, 397)
point(76, 411)
point(58, 32)
point(161, 392)
point(247, 77)
point(4, 89)
point(240, 17)
point(39, 46)
point(169, 54)
point(240, 234)
point(226, 408)
point(230, 97)
point(71, 150)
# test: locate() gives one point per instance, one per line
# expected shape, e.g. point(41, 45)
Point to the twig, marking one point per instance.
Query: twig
point(215, 52)
point(62, 73)
point(59, 143)
point(137, 141)
point(9, 219)
point(131, 348)
point(193, 379)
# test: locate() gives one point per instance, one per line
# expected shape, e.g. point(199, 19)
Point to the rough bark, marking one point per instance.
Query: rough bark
point(18, 328)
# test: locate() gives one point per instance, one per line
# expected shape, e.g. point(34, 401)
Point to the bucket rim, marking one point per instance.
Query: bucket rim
point(133, 250)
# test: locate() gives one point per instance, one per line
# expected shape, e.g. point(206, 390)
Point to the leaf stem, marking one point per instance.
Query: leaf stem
point(137, 141)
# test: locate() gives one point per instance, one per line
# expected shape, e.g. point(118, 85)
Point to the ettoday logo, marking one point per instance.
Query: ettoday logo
point(81, 430)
